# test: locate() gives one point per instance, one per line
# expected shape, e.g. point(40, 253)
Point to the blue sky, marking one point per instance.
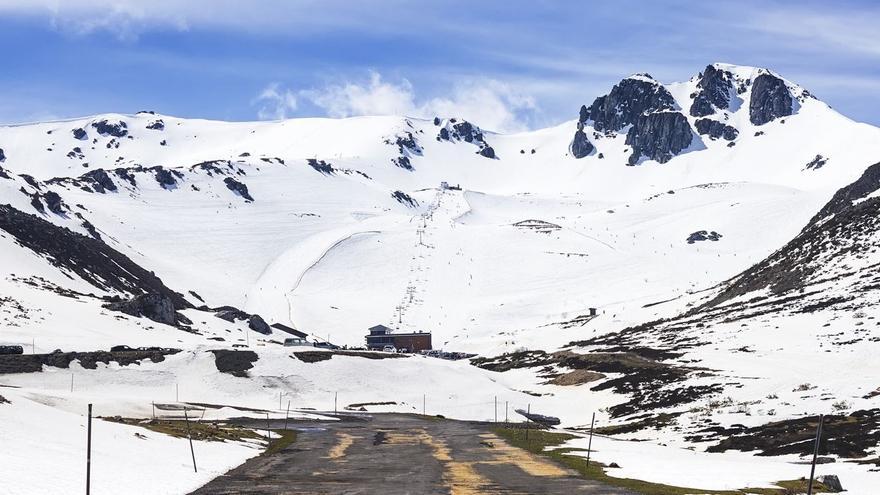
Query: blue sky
point(508, 65)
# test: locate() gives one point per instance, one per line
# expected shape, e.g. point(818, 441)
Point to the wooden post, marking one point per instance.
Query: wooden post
point(336, 403)
point(287, 414)
point(177, 393)
point(89, 455)
point(154, 409)
point(590, 443)
point(189, 434)
point(496, 409)
point(815, 453)
point(505, 413)
point(423, 404)
point(71, 382)
point(528, 411)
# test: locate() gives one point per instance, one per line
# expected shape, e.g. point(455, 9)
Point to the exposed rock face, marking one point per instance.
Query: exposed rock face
point(713, 92)
point(816, 163)
point(92, 260)
point(100, 180)
point(831, 482)
point(659, 136)
point(580, 145)
point(2, 155)
point(155, 306)
point(405, 199)
point(770, 100)
point(238, 188)
point(259, 325)
point(584, 114)
point(3, 174)
point(54, 202)
point(455, 130)
point(407, 145)
point(165, 178)
point(715, 129)
point(106, 128)
point(703, 235)
point(79, 133)
point(627, 101)
point(488, 152)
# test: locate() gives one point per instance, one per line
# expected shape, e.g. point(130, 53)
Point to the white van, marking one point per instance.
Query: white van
point(297, 342)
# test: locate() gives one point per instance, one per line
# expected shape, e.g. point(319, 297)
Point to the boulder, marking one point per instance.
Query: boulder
point(54, 202)
point(79, 133)
point(770, 99)
point(659, 136)
point(715, 129)
point(488, 152)
point(627, 101)
point(259, 325)
point(155, 306)
point(580, 145)
point(165, 178)
point(156, 125)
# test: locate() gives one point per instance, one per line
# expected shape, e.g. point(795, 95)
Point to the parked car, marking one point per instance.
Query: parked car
point(389, 348)
point(296, 342)
point(403, 350)
point(11, 349)
point(326, 345)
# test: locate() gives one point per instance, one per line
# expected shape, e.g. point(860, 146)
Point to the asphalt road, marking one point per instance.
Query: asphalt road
point(394, 454)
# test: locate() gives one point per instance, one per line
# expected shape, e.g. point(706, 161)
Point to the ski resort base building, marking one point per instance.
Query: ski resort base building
point(381, 336)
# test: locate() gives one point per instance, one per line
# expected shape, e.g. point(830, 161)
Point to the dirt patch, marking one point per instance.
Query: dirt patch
point(576, 377)
point(338, 450)
point(317, 356)
point(236, 363)
point(211, 432)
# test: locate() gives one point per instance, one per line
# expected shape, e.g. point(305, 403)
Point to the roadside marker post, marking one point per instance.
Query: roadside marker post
point(287, 414)
point(268, 435)
point(590, 443)
point(815, 453)
point(189, 435)
point(496, 409)
point(89, 455)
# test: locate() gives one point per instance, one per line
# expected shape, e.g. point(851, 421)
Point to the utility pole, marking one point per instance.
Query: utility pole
point(590, 443)
point(89, 455)
point(189, 435)
point(815, 453)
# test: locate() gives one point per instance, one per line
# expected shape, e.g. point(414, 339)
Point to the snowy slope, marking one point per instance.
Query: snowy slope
point(335, 225)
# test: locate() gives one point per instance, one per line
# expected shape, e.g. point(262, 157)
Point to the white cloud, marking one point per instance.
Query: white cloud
point(489, 103)
point(275, 103)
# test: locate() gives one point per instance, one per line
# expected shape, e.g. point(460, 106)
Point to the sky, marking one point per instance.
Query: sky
point(508, 65)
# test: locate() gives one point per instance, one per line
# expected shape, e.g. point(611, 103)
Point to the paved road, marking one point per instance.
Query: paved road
point(401, 455)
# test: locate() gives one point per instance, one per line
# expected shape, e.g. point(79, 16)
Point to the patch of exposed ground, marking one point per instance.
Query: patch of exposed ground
point(32, 363)
point(317, 356)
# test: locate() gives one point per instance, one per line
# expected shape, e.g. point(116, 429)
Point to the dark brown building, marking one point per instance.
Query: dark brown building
point(380, 336)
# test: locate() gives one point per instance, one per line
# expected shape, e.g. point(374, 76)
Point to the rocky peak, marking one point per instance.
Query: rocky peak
point(462, 130)
point(770, 99)
point(627, 101)
point(659, 136)
point(713, 91)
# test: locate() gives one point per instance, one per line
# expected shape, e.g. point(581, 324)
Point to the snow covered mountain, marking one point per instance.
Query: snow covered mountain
point(718, 225)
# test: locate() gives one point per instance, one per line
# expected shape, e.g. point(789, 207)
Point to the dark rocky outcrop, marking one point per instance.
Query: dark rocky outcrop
point(583, 114)
point(713, 92)
point(155, 306)
point(53, 202)
point(659, 136)
point(770, 99)
point(238, 188)
point(715, 129)
point(259, 325)
point(703, 235)
point(4, 174)
point(80, 133)
point(580, 145)
point(230, 314)
point(627, 101)
point(321, 166)
point(100, 180)
point(106, 128)
point(156, 125)
point(816, 163)
point(92, 260)
point(846, 196)
point(2, 155)
point(462, 130)
point(165, 178)
point(235, 363)
point(405, 199)
point(488, 152)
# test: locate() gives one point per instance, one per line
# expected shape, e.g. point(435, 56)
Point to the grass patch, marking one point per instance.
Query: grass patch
point(287, 437)
point(211, 432)
point(540, 440)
